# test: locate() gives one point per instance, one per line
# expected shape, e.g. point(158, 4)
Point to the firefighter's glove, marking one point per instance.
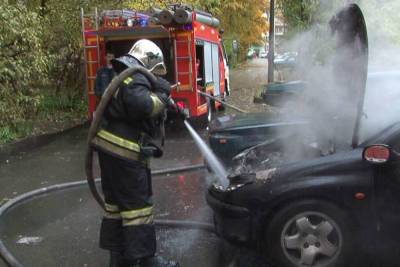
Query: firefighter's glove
point(182, 113)
point(176, 108)
point(152, 151)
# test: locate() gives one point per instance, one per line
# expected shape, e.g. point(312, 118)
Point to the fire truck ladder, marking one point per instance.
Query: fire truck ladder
point(92, 18)
point(182, 55)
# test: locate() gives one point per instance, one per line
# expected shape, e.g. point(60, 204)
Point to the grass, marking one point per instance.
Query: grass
point(11, 133)
point(7, 134)
point(61, 103)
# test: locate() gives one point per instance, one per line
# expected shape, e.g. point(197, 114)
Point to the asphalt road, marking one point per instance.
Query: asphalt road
point(64, 225)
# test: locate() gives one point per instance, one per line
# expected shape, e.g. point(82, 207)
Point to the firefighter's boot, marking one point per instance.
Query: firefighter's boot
point(115, 259)
point(158, 261)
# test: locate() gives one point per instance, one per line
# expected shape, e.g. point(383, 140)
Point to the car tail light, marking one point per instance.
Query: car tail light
point(377, 153)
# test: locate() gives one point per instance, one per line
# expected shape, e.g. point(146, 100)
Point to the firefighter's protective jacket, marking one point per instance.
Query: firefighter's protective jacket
point(131, 118)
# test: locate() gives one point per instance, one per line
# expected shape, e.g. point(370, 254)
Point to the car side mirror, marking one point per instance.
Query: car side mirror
point(377, 154)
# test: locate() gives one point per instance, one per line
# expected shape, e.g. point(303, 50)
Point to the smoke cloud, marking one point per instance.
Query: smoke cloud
point(332, 69)
point(382, 99)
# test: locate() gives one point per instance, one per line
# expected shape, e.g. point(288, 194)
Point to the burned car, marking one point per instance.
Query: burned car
point(324, 194)
point(233, 134)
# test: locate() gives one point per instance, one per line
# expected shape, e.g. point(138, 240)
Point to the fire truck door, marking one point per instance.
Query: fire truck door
point(215, 67)
point(208, 66)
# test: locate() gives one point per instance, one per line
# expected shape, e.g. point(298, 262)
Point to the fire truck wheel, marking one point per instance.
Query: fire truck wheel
point(210, 109)
point(222, 106)
point(227, 89)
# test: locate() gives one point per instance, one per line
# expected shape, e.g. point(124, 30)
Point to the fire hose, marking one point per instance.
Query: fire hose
point(12, 261)
point(9, 258)
point(221, 101)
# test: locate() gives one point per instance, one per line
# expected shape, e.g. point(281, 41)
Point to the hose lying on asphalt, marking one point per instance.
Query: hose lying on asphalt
point(10, 259)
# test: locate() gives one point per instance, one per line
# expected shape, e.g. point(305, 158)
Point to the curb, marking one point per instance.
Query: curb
point(33, 142)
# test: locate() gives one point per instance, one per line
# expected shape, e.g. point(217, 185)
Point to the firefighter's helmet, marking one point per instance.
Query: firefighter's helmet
point(148, 54)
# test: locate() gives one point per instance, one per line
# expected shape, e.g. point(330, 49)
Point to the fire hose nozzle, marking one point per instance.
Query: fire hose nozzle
point(184, 113)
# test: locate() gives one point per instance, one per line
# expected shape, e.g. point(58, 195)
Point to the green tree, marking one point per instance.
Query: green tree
point(382, 19)
point(298, 14)
point(23, 62)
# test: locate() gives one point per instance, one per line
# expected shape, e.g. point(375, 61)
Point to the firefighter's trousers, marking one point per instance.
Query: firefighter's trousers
point(127, 225)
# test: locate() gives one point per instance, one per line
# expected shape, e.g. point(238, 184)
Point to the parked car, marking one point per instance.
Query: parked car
point(263, 54)
point(278, 93)
point(251, 54)
point(315, 205)
point(286, 60)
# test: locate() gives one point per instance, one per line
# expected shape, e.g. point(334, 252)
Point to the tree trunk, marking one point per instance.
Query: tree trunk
point(42, 8)
point(302, 12)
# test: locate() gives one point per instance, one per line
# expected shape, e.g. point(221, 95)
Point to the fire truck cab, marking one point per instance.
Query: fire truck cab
point(190, 40)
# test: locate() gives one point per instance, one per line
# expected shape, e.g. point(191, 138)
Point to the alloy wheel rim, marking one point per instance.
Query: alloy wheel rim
point(311, 239)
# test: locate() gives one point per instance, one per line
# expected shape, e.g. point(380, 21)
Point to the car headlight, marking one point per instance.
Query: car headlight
point(230, 188)
point(236, 182)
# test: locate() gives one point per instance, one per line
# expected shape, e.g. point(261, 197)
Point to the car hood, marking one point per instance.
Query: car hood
point(244, 121)
point(350, 66)
point(338, 162)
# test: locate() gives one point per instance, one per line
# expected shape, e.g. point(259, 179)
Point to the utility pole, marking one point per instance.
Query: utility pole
point(271, 51)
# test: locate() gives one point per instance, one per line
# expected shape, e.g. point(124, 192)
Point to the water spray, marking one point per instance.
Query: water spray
point(213, 162)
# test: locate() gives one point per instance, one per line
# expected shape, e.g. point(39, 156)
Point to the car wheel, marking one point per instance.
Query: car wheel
point(310, 233)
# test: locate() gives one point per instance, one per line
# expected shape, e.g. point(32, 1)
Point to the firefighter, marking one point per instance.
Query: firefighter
point(124, 144)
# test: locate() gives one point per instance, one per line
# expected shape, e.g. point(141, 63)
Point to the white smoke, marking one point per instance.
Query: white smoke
point(382, 100)
point(327, 102)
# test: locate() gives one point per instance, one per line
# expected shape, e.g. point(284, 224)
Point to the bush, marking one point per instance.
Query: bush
point(51, 104)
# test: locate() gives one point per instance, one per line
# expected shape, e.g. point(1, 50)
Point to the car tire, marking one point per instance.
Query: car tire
point(310, 233)
point(227, 89)
point(210, 109)
point(222, 106)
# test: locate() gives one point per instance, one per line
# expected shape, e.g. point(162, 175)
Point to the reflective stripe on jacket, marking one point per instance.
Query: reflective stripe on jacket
point(118, 146)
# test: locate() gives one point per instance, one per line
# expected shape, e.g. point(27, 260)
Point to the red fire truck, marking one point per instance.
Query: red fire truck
point(190, 41)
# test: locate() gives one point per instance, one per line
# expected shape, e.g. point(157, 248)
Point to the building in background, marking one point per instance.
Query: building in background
point(280, 29)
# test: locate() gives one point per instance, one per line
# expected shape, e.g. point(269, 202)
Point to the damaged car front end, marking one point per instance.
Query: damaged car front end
point(312, 196)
